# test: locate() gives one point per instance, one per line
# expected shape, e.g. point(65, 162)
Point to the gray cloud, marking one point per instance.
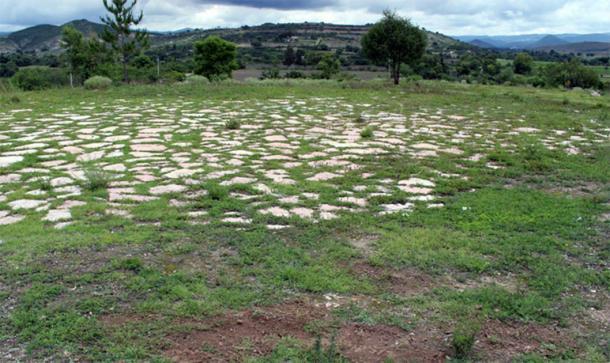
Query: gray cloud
point(274, 4)
point(450, 17)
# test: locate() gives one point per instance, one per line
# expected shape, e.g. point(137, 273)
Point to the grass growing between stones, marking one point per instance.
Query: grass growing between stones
point(266, 222)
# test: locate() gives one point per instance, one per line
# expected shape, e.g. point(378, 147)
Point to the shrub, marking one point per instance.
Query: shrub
point(197, 79)
point(217, 191)
point(271, 73)
point(215, 58)
point(39, 78)
point(571, 74)
point(232, 125)
point(366, 133)
point(95, 180)
point(174, 76)
point(464, 337)
point(98, 83)
point(295, 74)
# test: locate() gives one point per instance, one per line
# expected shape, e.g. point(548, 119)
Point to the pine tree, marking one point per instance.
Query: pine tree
point(289, 56)
point(119, 33)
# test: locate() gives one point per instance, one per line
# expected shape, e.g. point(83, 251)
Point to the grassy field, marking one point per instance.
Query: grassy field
point(309, 221)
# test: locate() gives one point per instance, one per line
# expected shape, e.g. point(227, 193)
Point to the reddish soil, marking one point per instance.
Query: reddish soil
point(235, 336)
point(501, 341)
point(366, 343)
point(405, 281)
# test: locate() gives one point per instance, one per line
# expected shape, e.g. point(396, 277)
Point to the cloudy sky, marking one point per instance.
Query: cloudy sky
point(454, 17)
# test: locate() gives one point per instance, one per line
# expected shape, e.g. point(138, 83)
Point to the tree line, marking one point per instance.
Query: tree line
point(122, 52)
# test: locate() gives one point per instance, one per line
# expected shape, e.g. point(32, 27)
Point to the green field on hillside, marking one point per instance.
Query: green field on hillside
point(315, 221)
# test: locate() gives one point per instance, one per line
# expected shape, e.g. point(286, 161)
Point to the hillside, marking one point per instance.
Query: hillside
point(597, 48)
point(481, 44)
point(548, 41)
point(43, 38)
point(568, 43)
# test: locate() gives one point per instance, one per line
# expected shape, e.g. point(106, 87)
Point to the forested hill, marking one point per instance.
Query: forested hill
point(46, 38)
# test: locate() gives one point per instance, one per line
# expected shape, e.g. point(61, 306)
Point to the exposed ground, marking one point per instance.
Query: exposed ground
point(309, 222)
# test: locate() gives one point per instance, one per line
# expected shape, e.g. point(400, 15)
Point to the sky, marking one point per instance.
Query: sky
point(452, 17)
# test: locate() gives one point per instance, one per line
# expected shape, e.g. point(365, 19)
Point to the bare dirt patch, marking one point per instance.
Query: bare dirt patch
point(235, 336)
point(404, 281)
point(501, 341)
point(367, 343)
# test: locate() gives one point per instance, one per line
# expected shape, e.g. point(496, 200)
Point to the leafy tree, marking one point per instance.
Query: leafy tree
point(523, 63)
point(571, 74)
point(289, 56)
point(300, 57)
point(119, 33)
point(72, 42)
point(215, 58)
point(83, 56)
point(8, 69)
point(329, 66)
point(393, 41)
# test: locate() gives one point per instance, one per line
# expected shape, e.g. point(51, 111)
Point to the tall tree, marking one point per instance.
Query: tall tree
point(289, 56)
point(124, 40)
point(523, 63)
point(393, 41)
point(84, 56)
point(72, 42)
point(215, 58)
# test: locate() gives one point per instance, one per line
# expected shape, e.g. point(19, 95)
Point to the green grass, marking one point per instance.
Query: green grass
point(521, 244)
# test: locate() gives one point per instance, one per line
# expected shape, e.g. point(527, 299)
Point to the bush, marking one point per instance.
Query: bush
point(464, 337)
point(95, 180)
point(294, 75)
point(232, 125)
point(98, 82)
point(571, 74)
point(366, 133)
point(271, 73)
point(174, 76)
point(39, 78)
point(197, 79)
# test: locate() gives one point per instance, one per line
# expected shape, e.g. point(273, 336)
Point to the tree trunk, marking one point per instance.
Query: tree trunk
point(125, 72)
point(396, 73)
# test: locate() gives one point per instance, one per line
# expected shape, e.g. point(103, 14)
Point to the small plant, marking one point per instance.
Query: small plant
point(96, 180)
point(133, 264)
point(366, 133)
point(232, 125)
point(45, 184)
point(328, 355)
point(98, 83)
point(217, 192)
point(464, 337)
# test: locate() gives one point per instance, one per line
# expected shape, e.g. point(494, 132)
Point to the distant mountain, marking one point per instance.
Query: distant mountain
point(597, 48)
point(548, 41)
point(535, 41)
point(482, 44)
point(45, 37)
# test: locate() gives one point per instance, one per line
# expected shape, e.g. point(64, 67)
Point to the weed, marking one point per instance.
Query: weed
point(133, 264)
point(366, 133)
point(217, 191)
point(464, 337)
point(96, 180)
point(232, 125)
